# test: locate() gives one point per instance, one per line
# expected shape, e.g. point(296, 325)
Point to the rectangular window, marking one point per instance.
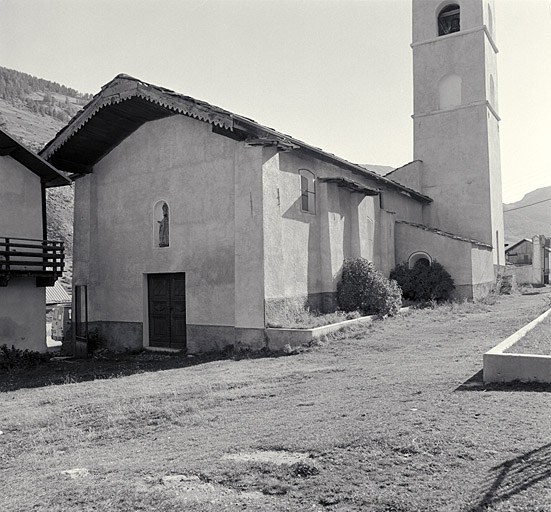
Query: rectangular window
point(308, 191)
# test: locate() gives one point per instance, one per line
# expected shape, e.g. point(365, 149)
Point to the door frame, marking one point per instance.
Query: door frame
point(145, 309)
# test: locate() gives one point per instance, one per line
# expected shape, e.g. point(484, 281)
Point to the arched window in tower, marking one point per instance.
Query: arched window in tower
point(492, 92)
point(449, 91)
point(490, 21)
point(160, 213)
point(448, 20)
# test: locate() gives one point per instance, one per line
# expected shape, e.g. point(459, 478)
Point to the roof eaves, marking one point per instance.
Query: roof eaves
point(445, 233)
point(123, 87)
point(48, 174)
point(351, 185)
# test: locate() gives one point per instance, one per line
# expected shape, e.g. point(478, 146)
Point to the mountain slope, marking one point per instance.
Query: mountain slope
point(33, 110)
point(528, 217)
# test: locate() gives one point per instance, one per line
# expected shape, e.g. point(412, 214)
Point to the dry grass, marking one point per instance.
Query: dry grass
point(536, 341)
point(394, 419)
point(295, 314)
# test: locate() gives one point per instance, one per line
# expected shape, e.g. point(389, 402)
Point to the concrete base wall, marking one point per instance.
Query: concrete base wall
point(119, 336)
point(507, 367)
point(23, 315)
point(209, 338)
point(476, 291)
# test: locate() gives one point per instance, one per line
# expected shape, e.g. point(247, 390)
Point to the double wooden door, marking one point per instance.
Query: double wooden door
point(167, 310)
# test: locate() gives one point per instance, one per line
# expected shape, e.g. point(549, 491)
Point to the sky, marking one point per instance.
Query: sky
point(336, 74)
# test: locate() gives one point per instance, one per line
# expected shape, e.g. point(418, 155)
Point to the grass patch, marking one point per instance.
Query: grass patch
point(536, 341)
point(296, 314)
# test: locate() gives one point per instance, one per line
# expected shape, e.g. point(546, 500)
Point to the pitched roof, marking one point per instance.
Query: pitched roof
point(125, 103)
point(56, 294)
point(517, 244)
point(445, 233)
point(47, 173)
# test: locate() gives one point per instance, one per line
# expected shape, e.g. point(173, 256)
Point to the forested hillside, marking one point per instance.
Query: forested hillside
point(33, 110)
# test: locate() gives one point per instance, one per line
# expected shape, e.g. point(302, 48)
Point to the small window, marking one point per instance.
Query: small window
point(448, 20)
point(308, 191)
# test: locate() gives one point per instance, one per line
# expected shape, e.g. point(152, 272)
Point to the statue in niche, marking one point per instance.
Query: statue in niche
point(163, 227)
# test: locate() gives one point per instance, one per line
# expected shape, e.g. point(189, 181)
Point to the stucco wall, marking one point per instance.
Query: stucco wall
point(303, 251)
point(180, 161)
point(468, 265)
point(23, 314)
point(22, 304)
point(20, 201)
point(523, 273)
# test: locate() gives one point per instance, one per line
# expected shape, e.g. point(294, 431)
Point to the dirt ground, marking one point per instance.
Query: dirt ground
point(395, 418)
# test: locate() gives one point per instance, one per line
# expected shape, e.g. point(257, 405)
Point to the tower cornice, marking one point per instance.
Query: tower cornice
point(483, 28)
point(459, 107)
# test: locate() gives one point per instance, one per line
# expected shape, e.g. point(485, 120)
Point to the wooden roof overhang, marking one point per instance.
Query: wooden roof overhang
point(351, 185)
point(125, 103)
point(47, 173)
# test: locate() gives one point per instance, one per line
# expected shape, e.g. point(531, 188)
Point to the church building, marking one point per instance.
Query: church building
point(192, 222)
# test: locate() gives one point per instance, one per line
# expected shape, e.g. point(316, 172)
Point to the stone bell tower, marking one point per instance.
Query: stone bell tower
point(456, 121)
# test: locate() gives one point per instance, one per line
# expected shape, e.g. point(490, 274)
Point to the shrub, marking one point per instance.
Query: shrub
point(17, 358)
point(424, 282)
point(363, 287)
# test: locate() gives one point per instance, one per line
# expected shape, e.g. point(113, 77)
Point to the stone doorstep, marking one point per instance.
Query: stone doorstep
point(279, 337)
point(499, 366)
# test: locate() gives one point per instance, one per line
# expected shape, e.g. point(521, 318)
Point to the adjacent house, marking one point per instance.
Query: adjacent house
point(192, 223)
point(528, 260)
point(28, 262)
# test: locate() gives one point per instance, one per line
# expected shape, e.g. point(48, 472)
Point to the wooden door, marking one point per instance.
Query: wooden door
point(167, 310)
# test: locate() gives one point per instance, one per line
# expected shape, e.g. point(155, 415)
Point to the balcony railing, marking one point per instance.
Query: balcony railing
point(43, 259)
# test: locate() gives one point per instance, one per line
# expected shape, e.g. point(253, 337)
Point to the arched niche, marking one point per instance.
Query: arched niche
point(161, 224)
point(449, 91)
point(419, 258)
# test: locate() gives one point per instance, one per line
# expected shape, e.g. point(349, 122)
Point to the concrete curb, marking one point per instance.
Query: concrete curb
point(501, 367)
point(279, 337)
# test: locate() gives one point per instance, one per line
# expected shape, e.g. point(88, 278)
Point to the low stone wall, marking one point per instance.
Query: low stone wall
point(506, 367)
point(277, 338)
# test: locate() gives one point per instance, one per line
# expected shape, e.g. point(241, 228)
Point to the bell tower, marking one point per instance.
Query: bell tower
point(456, 121)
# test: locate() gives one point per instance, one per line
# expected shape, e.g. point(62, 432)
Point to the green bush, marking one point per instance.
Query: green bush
point(364, 288)
point(424, 282)
point(17, 358)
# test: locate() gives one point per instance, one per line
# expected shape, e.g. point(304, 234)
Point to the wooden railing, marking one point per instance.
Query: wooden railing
point(25, 256)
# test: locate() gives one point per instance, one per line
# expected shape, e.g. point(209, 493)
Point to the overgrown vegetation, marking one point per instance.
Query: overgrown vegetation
point(12, 357)
point(364, 288)
point(424, 282)
point(297, 314)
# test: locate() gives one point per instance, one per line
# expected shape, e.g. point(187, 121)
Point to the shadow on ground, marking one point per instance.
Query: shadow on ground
point(108, 366)
point(515, 476)
point(476, 383)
